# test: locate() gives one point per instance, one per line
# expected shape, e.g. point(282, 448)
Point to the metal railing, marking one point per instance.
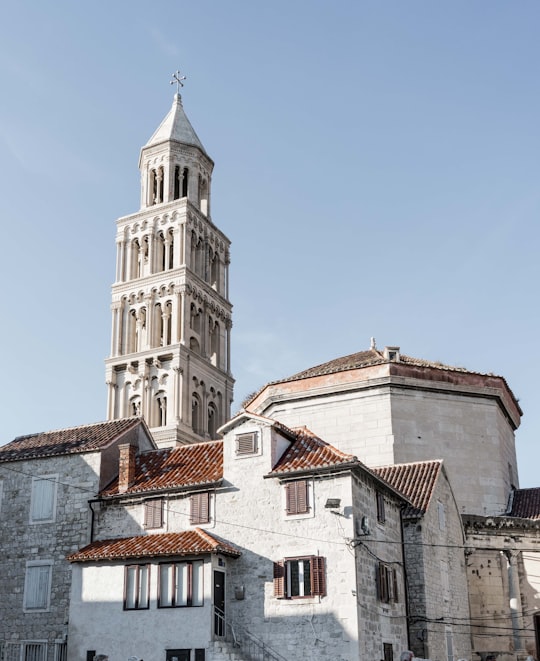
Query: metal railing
point(240, 638)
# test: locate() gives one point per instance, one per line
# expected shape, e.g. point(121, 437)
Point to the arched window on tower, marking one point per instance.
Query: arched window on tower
point(195, 413)
point(199, 258)
point(160, 410)
point(135, 270)
point(213, 422)
point(170, 237)
point(214, 271)
point(167, 323)
point(135, 405)
point(152, 188)
point(203, 195)
point(132, 332)
point(215, 339)
point(195, 318)
point(160, 252)
point(193, 256)
point(185, 178)
point(158, 326)
point(177, 182)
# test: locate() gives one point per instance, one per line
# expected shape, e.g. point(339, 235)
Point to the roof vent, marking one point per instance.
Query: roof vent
point(392, 353)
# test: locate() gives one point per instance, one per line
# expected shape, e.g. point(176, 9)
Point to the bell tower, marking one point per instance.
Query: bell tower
point(171, 315)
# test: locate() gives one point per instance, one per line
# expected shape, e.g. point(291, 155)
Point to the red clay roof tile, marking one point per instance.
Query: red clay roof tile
point(526, 504)
point(173, 468)
point(188, 542)
point(416, 481)
point(309, 452)
point(85, 438)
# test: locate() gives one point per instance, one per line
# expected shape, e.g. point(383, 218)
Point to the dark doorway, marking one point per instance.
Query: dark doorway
point(178, 655)
point(219, 603)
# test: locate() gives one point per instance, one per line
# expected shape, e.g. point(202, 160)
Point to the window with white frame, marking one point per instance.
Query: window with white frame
point(297, 497)
point(246, 444)
point(137, 578)
point(300, 577)
point(34, 651)
point(199, 508)
point(181, 584)
point(37, 585)
point(43, 499)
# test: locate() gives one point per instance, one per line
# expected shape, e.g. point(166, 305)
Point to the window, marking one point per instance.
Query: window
point(153, 513)
point(60, 651)
point(35, 651)
point(388, 652)
point(449, 643)
point(442, 517)
point(43, 499)
point(300, 577)
point(296, 497)
point(37, 585)
point(199, 508)
point(387, 587)
point(381, 514)
point(136, 587)
point(181, 584)
point(246, 443)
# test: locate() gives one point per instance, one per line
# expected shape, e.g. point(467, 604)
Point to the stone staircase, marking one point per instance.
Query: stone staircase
point(224, 651)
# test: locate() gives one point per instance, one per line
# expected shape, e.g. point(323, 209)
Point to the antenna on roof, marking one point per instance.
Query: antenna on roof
point(372, 346)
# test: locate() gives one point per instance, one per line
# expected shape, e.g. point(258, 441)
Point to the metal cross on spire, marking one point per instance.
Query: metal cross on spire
point(178, 79)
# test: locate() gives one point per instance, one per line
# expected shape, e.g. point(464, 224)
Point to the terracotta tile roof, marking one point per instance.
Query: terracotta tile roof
point(526, 504)
point(74, 440)
point(416, 481)
point(309, 452)
point(365, 359)
point(173, 468)
point(189, 542)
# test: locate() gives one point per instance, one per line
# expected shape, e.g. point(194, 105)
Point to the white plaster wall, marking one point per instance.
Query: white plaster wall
point(98, 621)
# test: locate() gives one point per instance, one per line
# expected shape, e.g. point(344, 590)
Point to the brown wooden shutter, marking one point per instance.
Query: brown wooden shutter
point(296, 497)
point(200, 508)
point(395, 584)
point(246, 443)
point(318, 576)
point(153, 513)
point(382, 583)
point(279, 579)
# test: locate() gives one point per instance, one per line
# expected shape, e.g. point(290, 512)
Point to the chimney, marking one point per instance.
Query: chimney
point(126, 468)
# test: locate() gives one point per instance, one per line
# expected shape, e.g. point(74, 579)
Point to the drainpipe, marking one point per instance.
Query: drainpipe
point(405, 580)
point(92, 520)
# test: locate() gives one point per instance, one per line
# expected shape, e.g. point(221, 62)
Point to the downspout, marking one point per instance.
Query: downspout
point(513, 597)
point(93, 516)
point(405, 579)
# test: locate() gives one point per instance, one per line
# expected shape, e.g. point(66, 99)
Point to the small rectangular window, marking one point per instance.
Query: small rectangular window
point(200, 654)
point(387, 583)
point(153, 513)
point(35, 651)
point(181, 584)
point(296, 497)
point(37, 585)
point(381, 514)
point(388, 652)
point(43, 499)
point(300, 577)
point(246, 443)
point(137, 578)
point(442, 516)
point(199, 508)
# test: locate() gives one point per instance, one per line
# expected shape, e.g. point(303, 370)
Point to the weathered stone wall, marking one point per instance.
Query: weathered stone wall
point(437, 578)
point(22, 541)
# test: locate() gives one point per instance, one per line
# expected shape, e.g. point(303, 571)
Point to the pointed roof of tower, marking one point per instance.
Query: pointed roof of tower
point(176, 127)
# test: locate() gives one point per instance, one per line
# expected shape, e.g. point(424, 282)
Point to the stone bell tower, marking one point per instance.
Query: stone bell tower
point(171, 315)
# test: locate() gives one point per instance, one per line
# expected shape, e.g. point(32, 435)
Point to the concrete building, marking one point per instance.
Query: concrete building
point(48, 482)
point(171, 315)
point(276, 542)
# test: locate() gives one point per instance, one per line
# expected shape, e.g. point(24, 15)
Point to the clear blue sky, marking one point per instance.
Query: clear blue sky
point(377, 170)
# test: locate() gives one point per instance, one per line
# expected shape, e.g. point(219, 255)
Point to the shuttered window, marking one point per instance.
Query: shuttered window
point(35, 651)
point(153, 513)
point(199, 511)
point(296, 497)
point(43, 499)
point(300, 577)
point(246, 443)
point(381, 514)
point(181, 584)
point(137, 578)
point(387, 583)
point(37, 586)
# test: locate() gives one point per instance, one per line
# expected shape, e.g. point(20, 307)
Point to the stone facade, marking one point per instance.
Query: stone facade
point(402, 410)
point(37, 537)
point(171, 315)
point(248, 509)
